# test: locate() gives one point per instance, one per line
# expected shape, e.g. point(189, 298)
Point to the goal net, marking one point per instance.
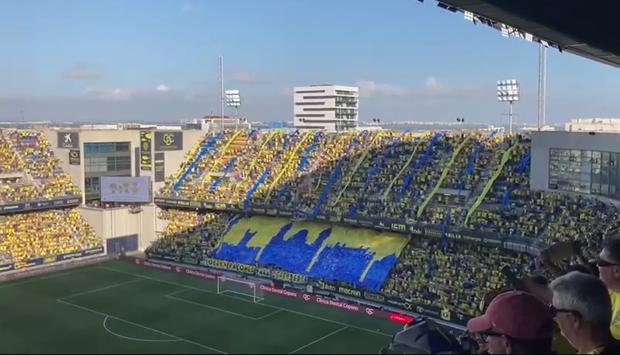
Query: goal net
point(238, 287)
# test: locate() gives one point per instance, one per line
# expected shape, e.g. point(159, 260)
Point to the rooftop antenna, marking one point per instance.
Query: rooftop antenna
point(542, 85)
point(221, 93)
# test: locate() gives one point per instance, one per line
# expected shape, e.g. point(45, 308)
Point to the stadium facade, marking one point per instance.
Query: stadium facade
point(88, 154)
point(580, 162)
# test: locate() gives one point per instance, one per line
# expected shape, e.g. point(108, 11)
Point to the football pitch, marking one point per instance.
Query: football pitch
point(119, 307)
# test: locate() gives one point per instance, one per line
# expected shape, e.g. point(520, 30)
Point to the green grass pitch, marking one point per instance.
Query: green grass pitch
point(118, 307)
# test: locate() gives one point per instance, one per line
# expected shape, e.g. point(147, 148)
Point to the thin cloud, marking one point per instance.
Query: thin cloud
point(162, 88)
point(435, 89)
point(159, 93)
point(369, 88)
point(82, 73)
point(247, 77)
point(115, 94)
point(433, 84)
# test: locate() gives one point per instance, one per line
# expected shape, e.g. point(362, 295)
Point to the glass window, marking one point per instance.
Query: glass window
point(122, 147)
point(584, 171)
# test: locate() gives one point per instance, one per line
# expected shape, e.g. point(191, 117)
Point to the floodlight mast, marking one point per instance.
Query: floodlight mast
point(508, 91)
point(221, 59)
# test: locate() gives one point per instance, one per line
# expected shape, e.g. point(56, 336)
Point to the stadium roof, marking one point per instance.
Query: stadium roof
point(586, 28)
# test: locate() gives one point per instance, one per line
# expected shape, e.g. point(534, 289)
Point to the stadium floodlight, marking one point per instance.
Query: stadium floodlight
point(469, 16)
point(461, 120)
point(508, 91)
point(233, 99)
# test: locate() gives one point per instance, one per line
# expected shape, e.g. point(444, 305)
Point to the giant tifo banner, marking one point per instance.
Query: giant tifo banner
point(302, 296)
point(358, 256)
point(125, 189)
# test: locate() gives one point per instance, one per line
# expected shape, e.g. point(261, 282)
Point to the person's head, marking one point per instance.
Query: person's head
point(608, 263)
point(515, 322)
point(582, 309)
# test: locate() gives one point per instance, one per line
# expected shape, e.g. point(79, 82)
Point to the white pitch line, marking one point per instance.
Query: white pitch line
point(210, 307)
point(37, 278)
point(100, 289)
point(140, 326)
point(260, 304)
point(55, 275)
point(172, 296)
point(270, 314)
point(105, 326)
point(319, 339)
point(189, 287)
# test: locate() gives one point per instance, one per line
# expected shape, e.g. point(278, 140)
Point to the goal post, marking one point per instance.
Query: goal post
point(238, 287)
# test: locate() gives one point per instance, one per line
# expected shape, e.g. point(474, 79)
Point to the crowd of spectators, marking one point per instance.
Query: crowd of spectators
point(432, 178)
point(29, 171)
point(189, 234)
point(451, 276)
point(31, 235)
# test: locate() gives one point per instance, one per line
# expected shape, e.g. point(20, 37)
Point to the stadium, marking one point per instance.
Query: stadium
point(221, 237)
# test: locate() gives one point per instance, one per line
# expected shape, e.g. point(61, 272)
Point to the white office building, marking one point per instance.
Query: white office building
point(330, 107)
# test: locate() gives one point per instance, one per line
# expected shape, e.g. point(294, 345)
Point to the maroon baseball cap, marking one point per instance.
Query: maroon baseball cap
point(517, 314)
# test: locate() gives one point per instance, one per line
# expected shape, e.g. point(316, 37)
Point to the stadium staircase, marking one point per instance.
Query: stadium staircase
point(506, 156)
point(308, 153)
point(520, 169)
point(303, 164)
point(330, 182)
point(377, 165)
point(227, 169)
point(289, 161)
point(262, 148)
point(225, 153)
point(402, 170)
point(471, 165)
point(355, 168)
point(418, 164)
point(444, 173)
point(250, 194)
point(231, 157)
point(203, 150)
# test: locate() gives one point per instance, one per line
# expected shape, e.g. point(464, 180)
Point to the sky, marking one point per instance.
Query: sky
point(157, 60)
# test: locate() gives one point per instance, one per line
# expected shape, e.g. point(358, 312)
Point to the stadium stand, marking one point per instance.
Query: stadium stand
point(473, 183)
point(29, 172)
point(26, 236)
point(188, 234)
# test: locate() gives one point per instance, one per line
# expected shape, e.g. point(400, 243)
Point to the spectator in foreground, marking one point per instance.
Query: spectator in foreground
point(582, 309)
point(515, 322)
point(609, 271)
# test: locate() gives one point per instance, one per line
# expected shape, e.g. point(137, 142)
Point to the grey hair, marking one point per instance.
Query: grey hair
point(585, 294)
